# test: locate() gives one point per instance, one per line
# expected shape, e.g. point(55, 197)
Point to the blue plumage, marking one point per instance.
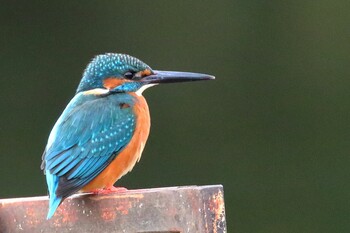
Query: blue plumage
point(82, 144)
point(54, 202)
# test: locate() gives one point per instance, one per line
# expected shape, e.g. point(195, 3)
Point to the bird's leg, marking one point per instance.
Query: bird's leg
point(114, 189)
point(109, 190)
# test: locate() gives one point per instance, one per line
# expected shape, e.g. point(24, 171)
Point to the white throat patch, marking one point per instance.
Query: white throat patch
point(96, 91)
point(144, 87)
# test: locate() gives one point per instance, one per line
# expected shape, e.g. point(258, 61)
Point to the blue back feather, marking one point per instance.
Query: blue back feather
point(90, 133)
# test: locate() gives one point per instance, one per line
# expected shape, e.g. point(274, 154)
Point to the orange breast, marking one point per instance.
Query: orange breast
point(131, 154)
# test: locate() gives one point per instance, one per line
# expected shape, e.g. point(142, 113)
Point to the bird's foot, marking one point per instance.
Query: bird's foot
point(109, 190)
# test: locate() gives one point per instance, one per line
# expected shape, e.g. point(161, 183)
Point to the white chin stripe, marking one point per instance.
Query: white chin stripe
point(144, 87)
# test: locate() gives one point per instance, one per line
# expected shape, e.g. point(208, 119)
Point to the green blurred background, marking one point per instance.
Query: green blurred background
point(272, 128)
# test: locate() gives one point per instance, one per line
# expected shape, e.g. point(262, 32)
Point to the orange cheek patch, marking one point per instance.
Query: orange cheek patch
point(113, 82)
point(145, 72)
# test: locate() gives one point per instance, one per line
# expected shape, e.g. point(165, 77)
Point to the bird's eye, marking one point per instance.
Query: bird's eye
point(129, 75)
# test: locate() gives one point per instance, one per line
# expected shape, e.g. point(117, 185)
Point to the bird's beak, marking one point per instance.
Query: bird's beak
point(160, 76)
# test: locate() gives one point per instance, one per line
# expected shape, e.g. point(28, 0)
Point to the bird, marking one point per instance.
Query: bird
point(101, 133)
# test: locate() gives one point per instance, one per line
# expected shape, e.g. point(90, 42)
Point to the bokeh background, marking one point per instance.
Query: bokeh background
point(273, 128)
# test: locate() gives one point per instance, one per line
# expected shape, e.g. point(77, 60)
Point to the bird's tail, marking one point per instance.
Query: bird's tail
point(54, 202)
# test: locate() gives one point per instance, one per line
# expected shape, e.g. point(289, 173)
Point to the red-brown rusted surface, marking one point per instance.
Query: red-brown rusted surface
point(162, 210)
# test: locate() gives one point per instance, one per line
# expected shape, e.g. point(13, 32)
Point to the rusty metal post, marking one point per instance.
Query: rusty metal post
point(162, 210)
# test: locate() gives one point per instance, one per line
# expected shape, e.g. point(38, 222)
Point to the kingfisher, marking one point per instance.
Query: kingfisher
point(102, 132)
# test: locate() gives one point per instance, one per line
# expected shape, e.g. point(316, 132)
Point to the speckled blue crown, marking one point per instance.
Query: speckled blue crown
point(108, 65)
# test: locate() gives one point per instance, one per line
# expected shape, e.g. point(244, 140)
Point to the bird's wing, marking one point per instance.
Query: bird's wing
point(87, 137)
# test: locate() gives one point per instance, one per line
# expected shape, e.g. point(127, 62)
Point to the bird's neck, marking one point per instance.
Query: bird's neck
point(141, 106)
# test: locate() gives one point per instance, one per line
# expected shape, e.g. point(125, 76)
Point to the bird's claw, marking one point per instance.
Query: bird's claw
point(109, 190)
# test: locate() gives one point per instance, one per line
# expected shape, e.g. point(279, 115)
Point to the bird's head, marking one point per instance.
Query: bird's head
point(113, 72)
